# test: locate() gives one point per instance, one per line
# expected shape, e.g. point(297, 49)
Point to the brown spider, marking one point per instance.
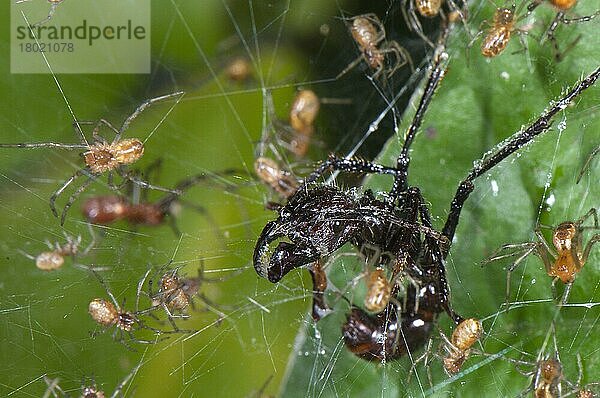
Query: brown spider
point(111, 314)
point(238, 70)
point(55, 258)
point(53, 5)
point(277, 178)
point(379, 291)
point(458, 347)
point(547, 376)
point(295, 134)
point(563, 263)
point(176, 293)
point(369, 34)
point(101, 156)
point(303, 112)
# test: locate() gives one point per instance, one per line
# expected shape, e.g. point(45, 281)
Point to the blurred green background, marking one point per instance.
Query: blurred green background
point(44, 325)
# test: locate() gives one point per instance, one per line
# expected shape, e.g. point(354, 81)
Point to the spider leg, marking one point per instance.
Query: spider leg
point(513, 144)
point(74, 197)
point(46, 145)
point(96, 130)
point(592, 213)
point(52, 386)
point(29, 256)
point(129, 176)
point(145, 105)
point(593, 240)
point(566, 293)
point(122, 384)
point(350, 66)
point(68, 182)
point(92, 241)
point(140, 286)
point(433, 258)
point(425, 358)
point(105, 286)
point(402, 57)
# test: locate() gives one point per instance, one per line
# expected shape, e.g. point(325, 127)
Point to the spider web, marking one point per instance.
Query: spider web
point(267, 338)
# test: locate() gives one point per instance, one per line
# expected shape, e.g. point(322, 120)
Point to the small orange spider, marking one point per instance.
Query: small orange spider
point(101, 156)
point(565, 261)
point(273, 175)
point(369, 34)
point(458, 347)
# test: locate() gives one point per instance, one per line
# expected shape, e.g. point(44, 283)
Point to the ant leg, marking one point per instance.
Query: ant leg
point(174, 227)
point(74, 197)
point(146, 104)
point(403, 161)
point(202, 211)
point(356, 166)
point(512, 144)
point(68, 182)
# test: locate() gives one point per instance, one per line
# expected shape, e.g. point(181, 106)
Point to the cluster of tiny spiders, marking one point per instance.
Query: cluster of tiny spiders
point(404, 256)
point(176, 293)
point(406, 283)
point(102, 157)
point(293, 136)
